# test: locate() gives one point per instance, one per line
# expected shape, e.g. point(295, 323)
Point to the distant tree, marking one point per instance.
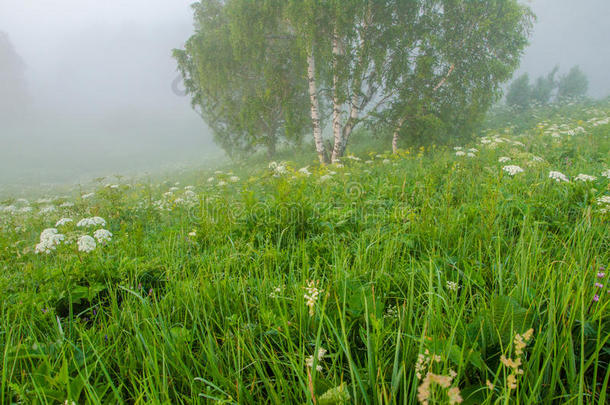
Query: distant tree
point(543, 88)
point(573, 85)
point(395, 63)
point(13, 92)
point(243, 77)
point(519, 92)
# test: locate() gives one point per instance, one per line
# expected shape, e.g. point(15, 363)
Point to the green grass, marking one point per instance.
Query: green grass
point(158, 316)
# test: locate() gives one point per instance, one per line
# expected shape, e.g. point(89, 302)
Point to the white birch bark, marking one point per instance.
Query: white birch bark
point(395, 136)
point(337, 130)
point(315, 108)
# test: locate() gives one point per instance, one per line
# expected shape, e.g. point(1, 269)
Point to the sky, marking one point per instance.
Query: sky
point(100, 73)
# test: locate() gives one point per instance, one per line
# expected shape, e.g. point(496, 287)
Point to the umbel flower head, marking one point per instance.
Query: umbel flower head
point(93, 221)
point(558, 177)
point(512, 169)
point(49, 239)
point(86, 244)
point(102, 236)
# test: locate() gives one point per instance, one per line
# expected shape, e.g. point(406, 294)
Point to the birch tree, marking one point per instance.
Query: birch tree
point(391, 63)
point(240, 70)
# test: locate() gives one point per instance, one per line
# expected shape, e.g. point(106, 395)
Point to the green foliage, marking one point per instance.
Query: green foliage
point(469, 50)
point(200, 300)
point(390, 64)
point(519, 93)
point(543, 89)
point(573, 85)
point(242, 71)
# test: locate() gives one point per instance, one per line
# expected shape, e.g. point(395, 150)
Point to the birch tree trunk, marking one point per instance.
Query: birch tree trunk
point(337, 130)
point(395, 136)
point(315, 108)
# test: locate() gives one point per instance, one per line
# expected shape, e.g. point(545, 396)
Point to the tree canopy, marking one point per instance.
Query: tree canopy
point(241, 73)
point(396, 65)
point(575, 84)
point(13, 91)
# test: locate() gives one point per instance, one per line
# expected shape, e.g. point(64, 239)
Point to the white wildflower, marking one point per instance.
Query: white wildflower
point(222, 183)
point(233, 179)
point(452, 285)
point(49, 240)
point(102, 236)
point(275, 293)
point(93, 221)
point(558, 177)
point(48, 209)
point(86, 244)
point(62, 222)
point(512, 169)
point(460, 153)
point(312, 295)
point(87, 196)
point(606, 174)
point(585, 177)
point(305, 171)
point(504, 159)
point(67, 205)
point(320, 355)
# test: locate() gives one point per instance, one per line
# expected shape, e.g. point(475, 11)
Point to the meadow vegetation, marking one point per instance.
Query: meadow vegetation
point(473, 274)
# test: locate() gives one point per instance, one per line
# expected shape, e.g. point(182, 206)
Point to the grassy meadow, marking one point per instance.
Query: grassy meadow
point(475, 275)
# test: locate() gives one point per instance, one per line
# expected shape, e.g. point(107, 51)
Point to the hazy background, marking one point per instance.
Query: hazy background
point(99, 82)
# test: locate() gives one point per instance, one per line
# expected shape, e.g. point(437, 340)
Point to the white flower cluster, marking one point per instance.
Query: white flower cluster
point(585, 177)
point(93, 221)
point(278, 169)
point(305, 171)
point(47, 210)
point(504, 159)
point(49, 240)
point(102, 236)
point(63, 222)
point(86, 244)
point(606, 174)
point(558, 177)
point(312, 295)
point(604, 202)
point(512, 169)
point(320, 355)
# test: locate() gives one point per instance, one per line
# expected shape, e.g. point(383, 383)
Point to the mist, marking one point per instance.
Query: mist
point(100, 95)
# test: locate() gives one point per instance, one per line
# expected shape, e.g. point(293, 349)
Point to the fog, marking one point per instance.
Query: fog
point(98, 93)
